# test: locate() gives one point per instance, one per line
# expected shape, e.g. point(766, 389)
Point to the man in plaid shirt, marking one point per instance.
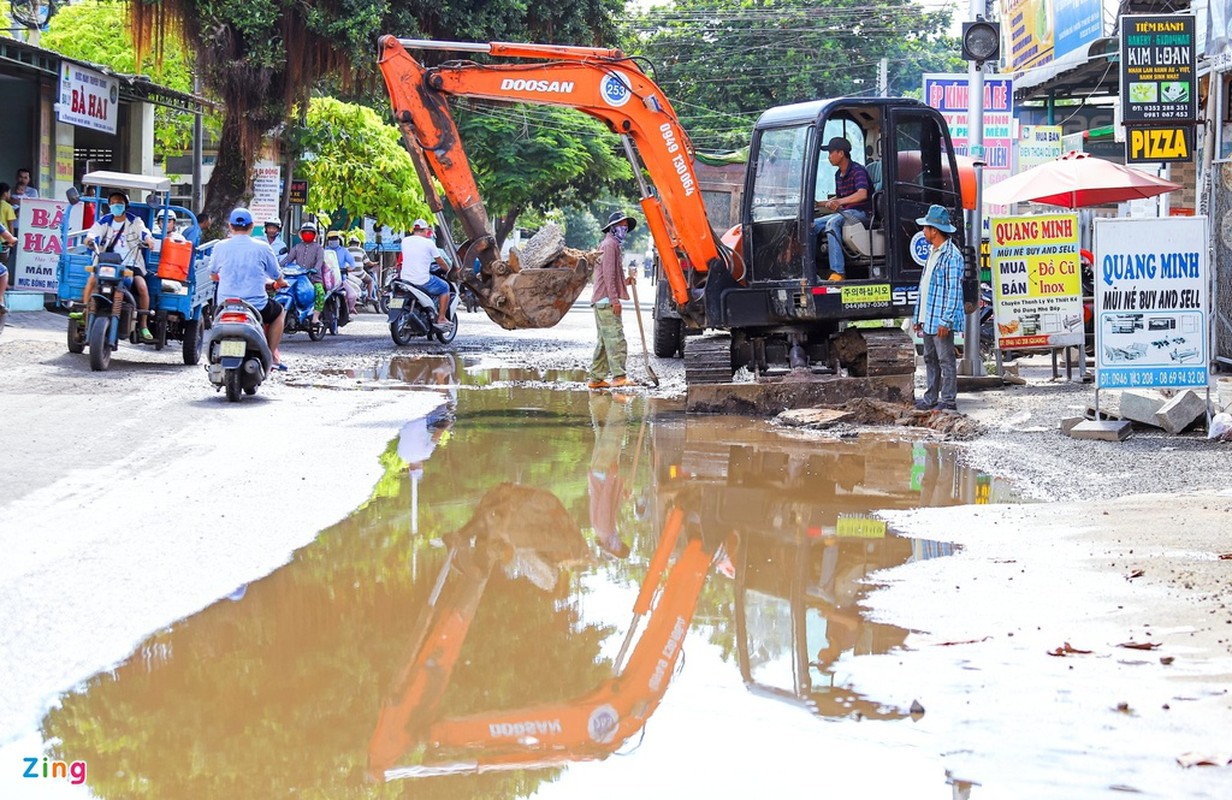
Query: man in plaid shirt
point(939, 311)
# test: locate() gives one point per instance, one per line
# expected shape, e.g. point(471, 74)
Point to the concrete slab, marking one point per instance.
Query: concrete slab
point(1180, 412)
point(813, 417)
point(1068, 423)
point(1102, 430)
point(772, 397)
point(1141, 405)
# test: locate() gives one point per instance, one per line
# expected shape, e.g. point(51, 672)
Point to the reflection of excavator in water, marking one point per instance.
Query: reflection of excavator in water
point(760, 284)
point(530, 532)
point(797, 561)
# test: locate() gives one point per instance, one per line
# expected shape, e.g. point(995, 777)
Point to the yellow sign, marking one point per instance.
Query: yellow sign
point(860, 527)
point(1037, 281)
point(877, 293)
point(1160, 144)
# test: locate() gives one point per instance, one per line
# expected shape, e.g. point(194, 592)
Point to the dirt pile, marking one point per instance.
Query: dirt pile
point(866, 411)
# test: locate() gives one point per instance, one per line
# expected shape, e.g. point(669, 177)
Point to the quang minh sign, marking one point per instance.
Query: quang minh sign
point(1152, 303)
point(88, 99)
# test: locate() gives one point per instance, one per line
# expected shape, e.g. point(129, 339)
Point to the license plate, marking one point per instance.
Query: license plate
point(234, 347)
point(395, 302)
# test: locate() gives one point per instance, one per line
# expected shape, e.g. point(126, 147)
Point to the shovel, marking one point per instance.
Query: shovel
point(637, 307)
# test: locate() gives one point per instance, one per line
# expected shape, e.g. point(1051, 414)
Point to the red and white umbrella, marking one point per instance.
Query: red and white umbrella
point(1077, 180)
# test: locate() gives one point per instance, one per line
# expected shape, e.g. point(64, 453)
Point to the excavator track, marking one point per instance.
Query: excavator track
point(708, 359)
point(873, 353)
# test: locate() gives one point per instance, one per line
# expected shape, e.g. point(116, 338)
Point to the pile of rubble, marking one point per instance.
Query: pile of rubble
point(866, 411)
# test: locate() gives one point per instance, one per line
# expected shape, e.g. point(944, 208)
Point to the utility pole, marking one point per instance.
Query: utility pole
point(883, 78)
point(198, 148)
point(981, 42)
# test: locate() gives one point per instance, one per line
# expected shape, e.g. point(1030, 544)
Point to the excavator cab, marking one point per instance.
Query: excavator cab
point(905, 146)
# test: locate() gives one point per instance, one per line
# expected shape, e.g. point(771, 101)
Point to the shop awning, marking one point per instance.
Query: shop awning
point(1089, 71)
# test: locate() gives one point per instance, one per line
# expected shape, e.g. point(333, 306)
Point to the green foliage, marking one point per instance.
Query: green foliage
point(359, 164)
point(581, 228)
point(98, 31)
point(721, 64)
point(537, 157)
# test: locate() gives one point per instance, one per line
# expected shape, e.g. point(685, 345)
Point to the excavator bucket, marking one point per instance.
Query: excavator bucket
point(534, 288)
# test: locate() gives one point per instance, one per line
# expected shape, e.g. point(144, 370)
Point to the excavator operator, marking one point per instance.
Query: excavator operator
point(852, 202)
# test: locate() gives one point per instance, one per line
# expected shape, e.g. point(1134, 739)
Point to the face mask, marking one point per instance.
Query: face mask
point(117, 209)
point(308, 237)
point(620, 232)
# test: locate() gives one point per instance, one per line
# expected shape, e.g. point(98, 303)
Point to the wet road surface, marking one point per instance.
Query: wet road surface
point(548, 593)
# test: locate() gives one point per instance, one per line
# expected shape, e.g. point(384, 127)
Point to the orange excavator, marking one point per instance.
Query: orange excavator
point(760, 285)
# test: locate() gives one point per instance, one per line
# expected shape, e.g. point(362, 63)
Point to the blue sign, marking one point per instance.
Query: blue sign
point(1078, 22)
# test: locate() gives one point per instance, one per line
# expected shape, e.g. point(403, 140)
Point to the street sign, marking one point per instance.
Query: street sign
point(1159, 97)
point(298, 193)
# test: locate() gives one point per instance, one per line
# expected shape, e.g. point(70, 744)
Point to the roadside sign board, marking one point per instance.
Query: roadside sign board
point(1038, 144)
point(947, 92)
point(1152, 303)
point(297, 195)
point(38, 243)
point(266, 190)
point(1037, 281)
point(1159, 97)
point(88, 99)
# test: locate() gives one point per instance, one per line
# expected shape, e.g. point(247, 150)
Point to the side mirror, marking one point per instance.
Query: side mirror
point(73, 196)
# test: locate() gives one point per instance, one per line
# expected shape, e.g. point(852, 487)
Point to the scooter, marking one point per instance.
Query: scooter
point(334, 314)
point(298, 297)
point(412, 313)
point(239, 357)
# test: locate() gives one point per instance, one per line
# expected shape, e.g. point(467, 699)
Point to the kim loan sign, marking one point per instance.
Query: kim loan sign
point(1159, 104)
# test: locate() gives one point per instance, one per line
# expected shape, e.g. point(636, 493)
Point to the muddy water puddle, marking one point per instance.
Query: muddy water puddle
point(548, 593)
point(453, 369)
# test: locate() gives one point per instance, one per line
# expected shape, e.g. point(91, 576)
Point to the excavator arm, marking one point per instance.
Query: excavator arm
point(602, 83)
point(588, 727)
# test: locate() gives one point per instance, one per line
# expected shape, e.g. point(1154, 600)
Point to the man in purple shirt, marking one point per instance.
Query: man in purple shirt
point(852, 202)
point(610, 283)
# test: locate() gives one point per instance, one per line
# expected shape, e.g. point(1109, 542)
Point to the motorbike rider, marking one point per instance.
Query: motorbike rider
point(346, 263)
point(308, 254)
point(419, 253)
point(365, 264)
point(243, 264)
point(121, 231)
point(273, 236)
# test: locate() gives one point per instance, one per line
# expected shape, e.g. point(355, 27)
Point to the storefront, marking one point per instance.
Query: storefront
point(67, 117)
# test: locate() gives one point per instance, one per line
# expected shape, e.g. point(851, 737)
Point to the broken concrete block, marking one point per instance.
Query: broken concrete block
point(1141, 406)
point(1109, 406)
point(1180, 412)
point(1102, 430)
point(813, 417)
point(1068, 423)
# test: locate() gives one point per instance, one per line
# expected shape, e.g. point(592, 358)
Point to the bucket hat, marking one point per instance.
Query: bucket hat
point(937, 217)
point(617, 217)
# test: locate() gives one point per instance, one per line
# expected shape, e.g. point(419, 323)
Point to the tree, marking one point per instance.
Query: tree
point(722, 64)
point(359, 164)
point(535, 157)
point(88, 31)
point(262, 57)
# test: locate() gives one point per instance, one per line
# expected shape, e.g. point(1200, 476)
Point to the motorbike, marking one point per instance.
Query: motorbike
point(335, 313)
point(239, 357)
point(112, 310)
point(412, 312)
point(298, 297)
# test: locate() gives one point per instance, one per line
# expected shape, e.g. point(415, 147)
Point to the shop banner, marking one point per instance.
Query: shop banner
point(266, 192)
point(38, 244)
point(1152, 303)
point(1028, 32)
point(947, 92)
point(88, 99)
point(1037, 281)
point(1038, 144)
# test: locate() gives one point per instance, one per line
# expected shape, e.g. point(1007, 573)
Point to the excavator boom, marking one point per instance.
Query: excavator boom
point(600, 82)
